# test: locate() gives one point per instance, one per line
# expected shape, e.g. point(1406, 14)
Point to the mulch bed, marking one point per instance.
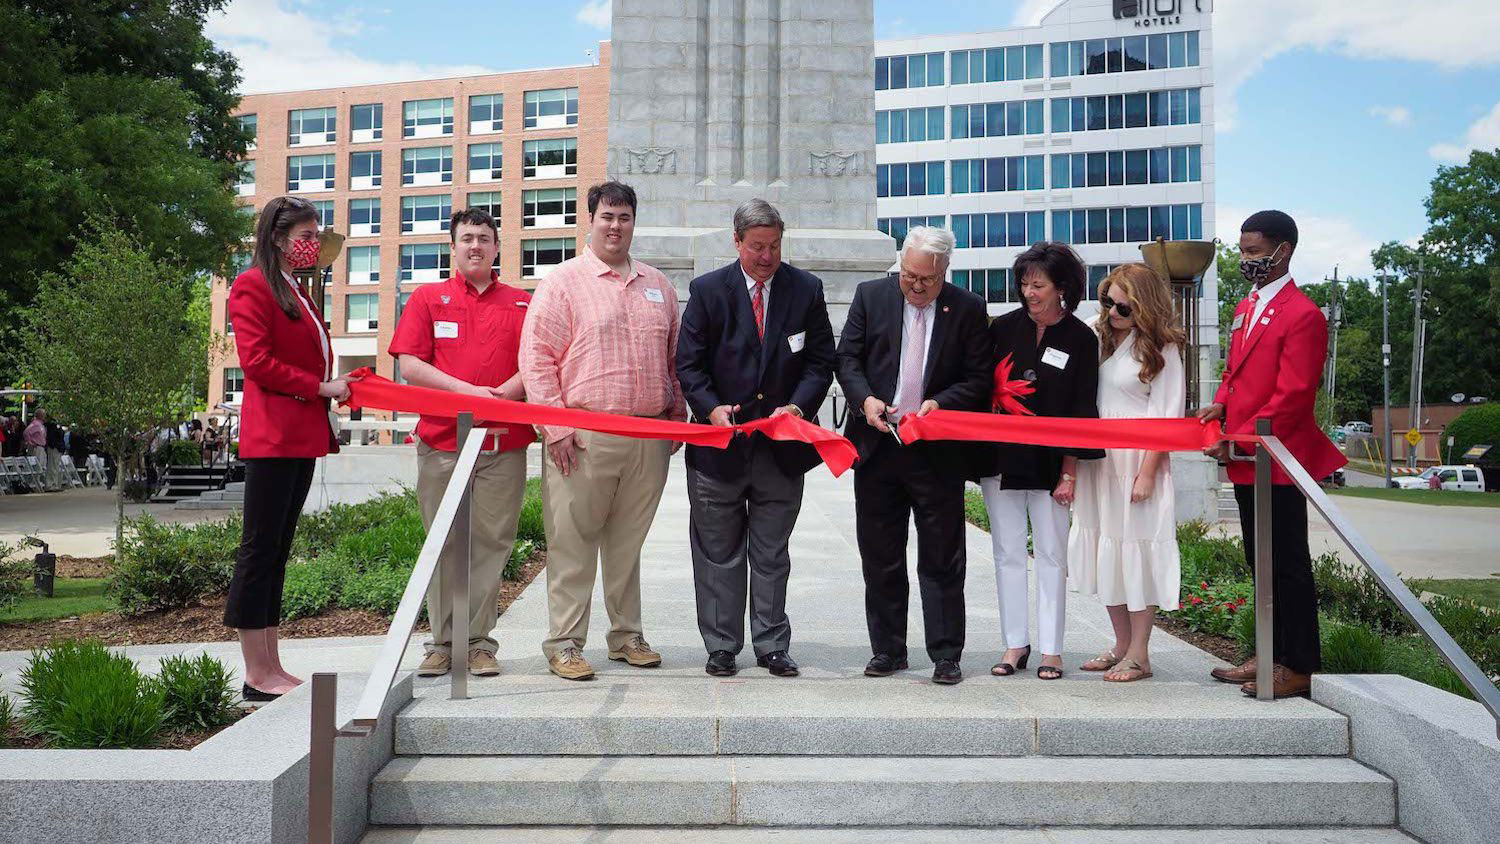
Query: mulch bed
point(203, 622)
point(18, 740)
point(70, 566)
point(1223, 647)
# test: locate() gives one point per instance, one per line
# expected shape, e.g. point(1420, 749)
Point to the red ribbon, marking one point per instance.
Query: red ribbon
point(1008, 393)
point(366, 389)
point(1154, 434)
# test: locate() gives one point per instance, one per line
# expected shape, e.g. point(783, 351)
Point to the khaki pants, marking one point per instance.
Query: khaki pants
point(598, 516)
point(499, 486)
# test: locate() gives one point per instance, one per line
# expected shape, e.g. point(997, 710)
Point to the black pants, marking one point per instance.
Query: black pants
point(275, 488)
point(894, 483)
point(1295, 596)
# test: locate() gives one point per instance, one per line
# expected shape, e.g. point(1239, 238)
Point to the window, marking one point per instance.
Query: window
point(361, 312)
point(364, 170)
point(427, 118)
point(245, 184)
point(554, 159)
point(553, 108)
point(539, 256)
point(249, 124)
point(364, 217)
point(992, 175)
point(427, 166)
point(487, 201)
point(898, 227)
point(484, 162)
point(486, 113)
point(424, 262)
point(311, 126)
point(426, 214)
point(1129, 111)
point(1128, 167)
point(309, 173)
point(1015, 228)
point(364, 264)
point(234, 383)
point(920, 70)
point(992, 285)
point(366, 123)
point(550, 208)
point(325, 212)
point(1125, 55)
point(909, 124)
point(996, 64)
point(921, 178)
point(1128, 225)
point(993, 120)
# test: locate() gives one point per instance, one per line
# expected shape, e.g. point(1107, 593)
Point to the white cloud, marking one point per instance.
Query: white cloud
point(595, 13)
point(1451, 34)
point(283, 49)
point(1322, 243)
point(1031, 12)
point(1394, 115)
point(1483, 133)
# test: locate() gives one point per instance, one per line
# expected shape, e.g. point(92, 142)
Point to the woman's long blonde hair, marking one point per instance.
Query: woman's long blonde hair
point(1151, 306)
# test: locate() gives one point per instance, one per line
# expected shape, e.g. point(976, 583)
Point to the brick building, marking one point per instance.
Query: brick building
point(387, 164)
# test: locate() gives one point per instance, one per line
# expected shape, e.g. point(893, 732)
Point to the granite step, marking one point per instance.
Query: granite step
point(879, 791)
point(901, 835)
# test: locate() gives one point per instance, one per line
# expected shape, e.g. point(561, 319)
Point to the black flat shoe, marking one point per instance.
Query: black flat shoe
point(1005, 669)
point(254, 695)
point(884, 665)
point(721, 664)
point(779, 663)
point(947, 673)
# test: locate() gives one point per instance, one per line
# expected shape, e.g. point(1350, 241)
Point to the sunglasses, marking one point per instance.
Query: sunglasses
point(1121, 309)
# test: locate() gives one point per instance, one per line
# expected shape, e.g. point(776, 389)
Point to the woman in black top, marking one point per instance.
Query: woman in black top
point(1059, 355)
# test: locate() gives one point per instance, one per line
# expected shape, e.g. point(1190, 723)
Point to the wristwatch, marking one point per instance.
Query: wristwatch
point(795, 410)
point(1067, 477)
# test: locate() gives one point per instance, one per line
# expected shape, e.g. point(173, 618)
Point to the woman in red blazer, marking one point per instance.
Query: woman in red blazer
point(285, 353)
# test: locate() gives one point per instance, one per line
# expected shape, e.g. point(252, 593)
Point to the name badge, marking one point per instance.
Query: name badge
point(1055, 358)
point(1265, 320)
point(445, 330)
point(1239, 320)
point(654, 295)
point(797, 341)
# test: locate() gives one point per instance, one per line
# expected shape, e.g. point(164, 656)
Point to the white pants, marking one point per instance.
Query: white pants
point(1008, 510)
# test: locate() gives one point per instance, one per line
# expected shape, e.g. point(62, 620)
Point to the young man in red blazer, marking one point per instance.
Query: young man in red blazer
point(1278, 344)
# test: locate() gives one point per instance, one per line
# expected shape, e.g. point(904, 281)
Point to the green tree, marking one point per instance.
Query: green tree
point(118, 109)
point(112, 332)
point(1478, 424)
point(1232, 288)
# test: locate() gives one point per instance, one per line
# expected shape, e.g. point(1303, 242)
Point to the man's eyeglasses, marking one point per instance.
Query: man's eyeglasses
point(1121, 309)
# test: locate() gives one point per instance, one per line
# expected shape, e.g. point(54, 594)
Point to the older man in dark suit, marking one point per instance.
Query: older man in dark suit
point(755, 342)
point(912, 344)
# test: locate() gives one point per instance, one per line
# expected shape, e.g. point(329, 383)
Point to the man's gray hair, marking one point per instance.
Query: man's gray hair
point(932, 240)
point(754, 213)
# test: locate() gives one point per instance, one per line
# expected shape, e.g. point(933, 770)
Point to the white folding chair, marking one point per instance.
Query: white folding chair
point(68, 473)
point(95, 464)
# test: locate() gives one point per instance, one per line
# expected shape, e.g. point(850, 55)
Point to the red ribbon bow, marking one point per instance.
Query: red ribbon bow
point(1008, 392)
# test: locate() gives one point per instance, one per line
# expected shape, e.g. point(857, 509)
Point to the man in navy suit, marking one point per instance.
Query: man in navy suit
point(912, 344)
point(755, 342)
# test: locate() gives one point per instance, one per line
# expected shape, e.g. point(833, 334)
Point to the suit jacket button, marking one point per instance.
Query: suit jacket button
point(1231, 389)
point(760, 396)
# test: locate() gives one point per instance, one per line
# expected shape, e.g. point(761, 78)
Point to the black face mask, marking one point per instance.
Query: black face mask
point(1257, 270)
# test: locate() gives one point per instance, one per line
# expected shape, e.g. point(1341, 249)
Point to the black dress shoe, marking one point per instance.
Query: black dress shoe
point(884, 665)
point(254, 695)
point(721, 664)
point(947, 672)
point(779, 663)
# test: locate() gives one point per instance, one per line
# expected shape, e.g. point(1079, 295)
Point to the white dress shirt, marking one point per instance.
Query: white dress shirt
point(1263, 297)
point(317, 324)
point(765, 295)
point(908, 319)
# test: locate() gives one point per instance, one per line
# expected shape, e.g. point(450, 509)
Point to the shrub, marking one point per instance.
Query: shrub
point(1210, 558)
point(1478, 424)
point(1351, 649)
point(313, 586)
point(1414, 657)
point(321, 532)
point(393, 541)
point(1351, 595)
point(7, 718)
point(168, 566)
point(519, 554)
point(1244, 628)
point(376, 589)
point(178, 452)
point(15, 575)
point(198, 694)
point(974, 511)
point(530, 526)
point(1475, 628)
point(1212, 607)
point(79, 694)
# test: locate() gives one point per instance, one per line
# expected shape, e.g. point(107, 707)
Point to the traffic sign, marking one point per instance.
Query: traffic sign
point(1414, 436)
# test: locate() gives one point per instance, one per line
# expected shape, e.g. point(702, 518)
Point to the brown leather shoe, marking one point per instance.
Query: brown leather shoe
point(1284, 683)
point(636, 652)
point(1242, 673)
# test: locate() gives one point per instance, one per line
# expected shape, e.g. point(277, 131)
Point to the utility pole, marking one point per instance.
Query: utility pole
point(1335, 316)
point(1413, 409)
point(1385, 354)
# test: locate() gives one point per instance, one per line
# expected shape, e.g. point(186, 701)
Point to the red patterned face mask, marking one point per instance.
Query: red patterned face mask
point(303, 254)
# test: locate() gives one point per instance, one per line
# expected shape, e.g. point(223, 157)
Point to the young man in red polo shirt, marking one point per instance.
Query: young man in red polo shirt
point(463, 335)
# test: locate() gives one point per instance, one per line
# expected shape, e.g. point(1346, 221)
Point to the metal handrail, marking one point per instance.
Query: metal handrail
point(452, 515)
point(1471, 674)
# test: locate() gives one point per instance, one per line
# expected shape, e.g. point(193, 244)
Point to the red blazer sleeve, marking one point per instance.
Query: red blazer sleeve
point(254, 311)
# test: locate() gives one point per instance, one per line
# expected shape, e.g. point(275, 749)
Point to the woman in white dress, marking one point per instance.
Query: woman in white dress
point(1123, 542)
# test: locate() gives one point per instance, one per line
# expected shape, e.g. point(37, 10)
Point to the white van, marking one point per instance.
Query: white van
point(1458, 478)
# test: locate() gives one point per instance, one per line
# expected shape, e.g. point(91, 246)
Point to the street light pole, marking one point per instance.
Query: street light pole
point(1385, 354)
point(1335, 316)
point(1416, 355)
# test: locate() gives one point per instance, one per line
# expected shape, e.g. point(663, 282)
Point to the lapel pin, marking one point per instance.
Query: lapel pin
point(945, 309)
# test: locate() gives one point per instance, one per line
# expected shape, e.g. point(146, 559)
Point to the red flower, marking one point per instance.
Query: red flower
point(1231, 607)
point(1203, 586)
point(1197, 600)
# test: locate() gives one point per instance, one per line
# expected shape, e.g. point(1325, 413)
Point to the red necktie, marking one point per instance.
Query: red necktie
point(758, 305)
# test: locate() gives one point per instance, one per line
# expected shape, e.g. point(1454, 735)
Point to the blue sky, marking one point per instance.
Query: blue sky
point(1337, 111)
